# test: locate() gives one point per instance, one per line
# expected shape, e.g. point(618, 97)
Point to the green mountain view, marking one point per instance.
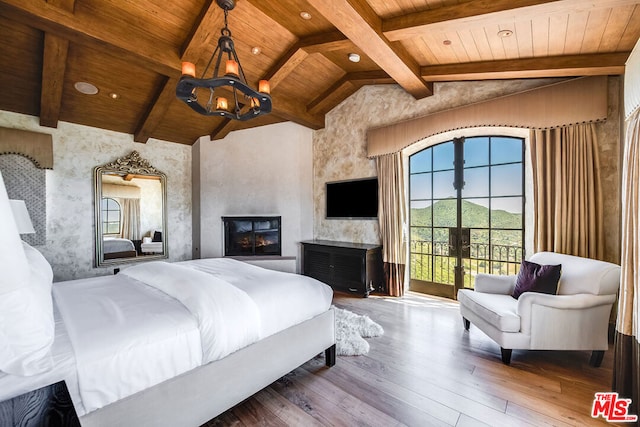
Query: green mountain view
point(474, 216)
point(505, 244)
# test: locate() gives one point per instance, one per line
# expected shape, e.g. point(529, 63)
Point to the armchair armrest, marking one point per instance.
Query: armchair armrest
point(565, 321)
point(495, 283)
point(562, 302)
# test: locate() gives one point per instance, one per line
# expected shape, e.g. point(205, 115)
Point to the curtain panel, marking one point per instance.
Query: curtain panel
point(392, 217)
point(567, 193)
point(130, 218)
point(626, 374)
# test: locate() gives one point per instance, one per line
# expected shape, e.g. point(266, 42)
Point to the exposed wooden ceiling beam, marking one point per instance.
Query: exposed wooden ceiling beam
point(554, 66)
point(159, 106)
point(204, 30)
point(225, 127)
point(335, 94)
point(54, 64)
point(92, 32)
point(325, 42)
point(198, 39)
point(483, 12)
point(345, 87)
point(68, 5)
point(370, 77)
point(285, 65)
point(356, 20)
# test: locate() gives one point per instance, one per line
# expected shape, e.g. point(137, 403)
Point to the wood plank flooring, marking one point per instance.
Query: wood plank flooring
point(426, 370)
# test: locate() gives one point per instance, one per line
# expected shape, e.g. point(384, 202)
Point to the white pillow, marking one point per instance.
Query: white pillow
point(38, 263)
point(13, 262)
point(26, 306)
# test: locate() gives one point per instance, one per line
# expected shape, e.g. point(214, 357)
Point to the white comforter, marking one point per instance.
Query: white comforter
point(126, 337)
point(283, 299)
point(157, 320)
point(227, 317)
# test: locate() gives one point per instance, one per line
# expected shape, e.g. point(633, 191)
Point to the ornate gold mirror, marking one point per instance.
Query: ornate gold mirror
point(130, 211)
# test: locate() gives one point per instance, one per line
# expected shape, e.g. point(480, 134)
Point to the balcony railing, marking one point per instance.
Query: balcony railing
point(430, 261)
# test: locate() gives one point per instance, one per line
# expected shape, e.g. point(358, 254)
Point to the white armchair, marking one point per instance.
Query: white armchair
point(577, 318)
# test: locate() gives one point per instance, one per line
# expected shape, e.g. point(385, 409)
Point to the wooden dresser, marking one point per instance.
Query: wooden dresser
point(346, 267)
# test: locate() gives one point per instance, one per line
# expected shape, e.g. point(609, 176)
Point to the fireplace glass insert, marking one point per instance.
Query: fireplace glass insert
point(251, 235)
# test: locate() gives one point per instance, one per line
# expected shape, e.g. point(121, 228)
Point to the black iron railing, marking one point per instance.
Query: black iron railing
point(430, 261)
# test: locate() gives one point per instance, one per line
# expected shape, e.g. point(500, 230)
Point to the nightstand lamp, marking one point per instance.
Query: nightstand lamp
point(21, 216)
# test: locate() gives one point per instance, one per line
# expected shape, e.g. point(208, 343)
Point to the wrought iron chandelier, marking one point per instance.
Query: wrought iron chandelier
point(246, 103)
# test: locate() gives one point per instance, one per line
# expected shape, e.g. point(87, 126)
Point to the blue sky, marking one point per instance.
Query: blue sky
point(488, 167)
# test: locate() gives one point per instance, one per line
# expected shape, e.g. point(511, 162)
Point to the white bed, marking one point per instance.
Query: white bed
point(123, 346)
point(159, 344)
point(116, 247)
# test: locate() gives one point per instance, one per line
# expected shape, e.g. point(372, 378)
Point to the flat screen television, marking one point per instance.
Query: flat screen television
point(353, 199)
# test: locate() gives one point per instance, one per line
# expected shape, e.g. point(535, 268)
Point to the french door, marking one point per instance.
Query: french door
point(466, 212)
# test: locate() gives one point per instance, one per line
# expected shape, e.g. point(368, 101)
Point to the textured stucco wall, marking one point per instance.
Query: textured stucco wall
point(339, 150)
point(259, 171)
point(610, 147)
point(70, 209)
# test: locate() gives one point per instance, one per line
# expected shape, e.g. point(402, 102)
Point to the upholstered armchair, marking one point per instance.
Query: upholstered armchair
point(576, 318)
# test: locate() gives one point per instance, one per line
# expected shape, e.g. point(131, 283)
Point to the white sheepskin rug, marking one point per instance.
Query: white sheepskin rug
point(351, 329)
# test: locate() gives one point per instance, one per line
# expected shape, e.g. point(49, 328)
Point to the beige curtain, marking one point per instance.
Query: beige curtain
point(130, 218)
point(392, 214)
point(627, 349)
point(567, 195)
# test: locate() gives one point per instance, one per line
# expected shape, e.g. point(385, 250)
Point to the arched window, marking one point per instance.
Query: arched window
point(111, 214)
point(467, 212)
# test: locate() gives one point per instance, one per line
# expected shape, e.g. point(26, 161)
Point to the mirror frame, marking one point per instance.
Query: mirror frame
point(135, 165)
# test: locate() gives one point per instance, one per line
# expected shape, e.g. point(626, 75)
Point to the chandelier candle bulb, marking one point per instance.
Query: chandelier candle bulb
point(255, 103)
point(188, 69)
point(264, 86)
point(231, 67)
point(221, 103)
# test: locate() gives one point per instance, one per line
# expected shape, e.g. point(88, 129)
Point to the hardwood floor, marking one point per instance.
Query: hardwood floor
point(426, 370)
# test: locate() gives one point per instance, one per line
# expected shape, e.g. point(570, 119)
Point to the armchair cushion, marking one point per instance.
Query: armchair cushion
point(499, 310)
point(537, 278)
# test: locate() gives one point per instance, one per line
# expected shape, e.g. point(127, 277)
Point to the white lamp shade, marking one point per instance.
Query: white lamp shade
point(21, 216)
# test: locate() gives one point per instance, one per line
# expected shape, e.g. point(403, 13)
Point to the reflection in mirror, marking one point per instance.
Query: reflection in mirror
point(130, 211)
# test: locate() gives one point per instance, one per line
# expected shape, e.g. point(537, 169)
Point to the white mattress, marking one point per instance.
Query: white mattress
point(117, 244)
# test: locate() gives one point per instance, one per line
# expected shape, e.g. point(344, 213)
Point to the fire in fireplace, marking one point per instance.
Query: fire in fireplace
point(252, 235)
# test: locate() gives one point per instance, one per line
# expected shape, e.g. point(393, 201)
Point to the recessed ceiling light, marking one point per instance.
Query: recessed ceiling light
point(305, 15)
point(86, 88)
point(354, 57)
point(256, 50)
point(114, 95)
point(505, 33)
point(446, 42)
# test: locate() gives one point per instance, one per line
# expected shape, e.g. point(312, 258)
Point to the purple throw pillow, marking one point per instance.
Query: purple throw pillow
point(537, 278)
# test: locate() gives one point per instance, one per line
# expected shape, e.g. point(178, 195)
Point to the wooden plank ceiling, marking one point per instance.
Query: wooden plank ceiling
point(132, 52)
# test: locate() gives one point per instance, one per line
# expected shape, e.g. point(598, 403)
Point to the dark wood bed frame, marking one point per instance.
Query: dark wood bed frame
point(123, 254)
